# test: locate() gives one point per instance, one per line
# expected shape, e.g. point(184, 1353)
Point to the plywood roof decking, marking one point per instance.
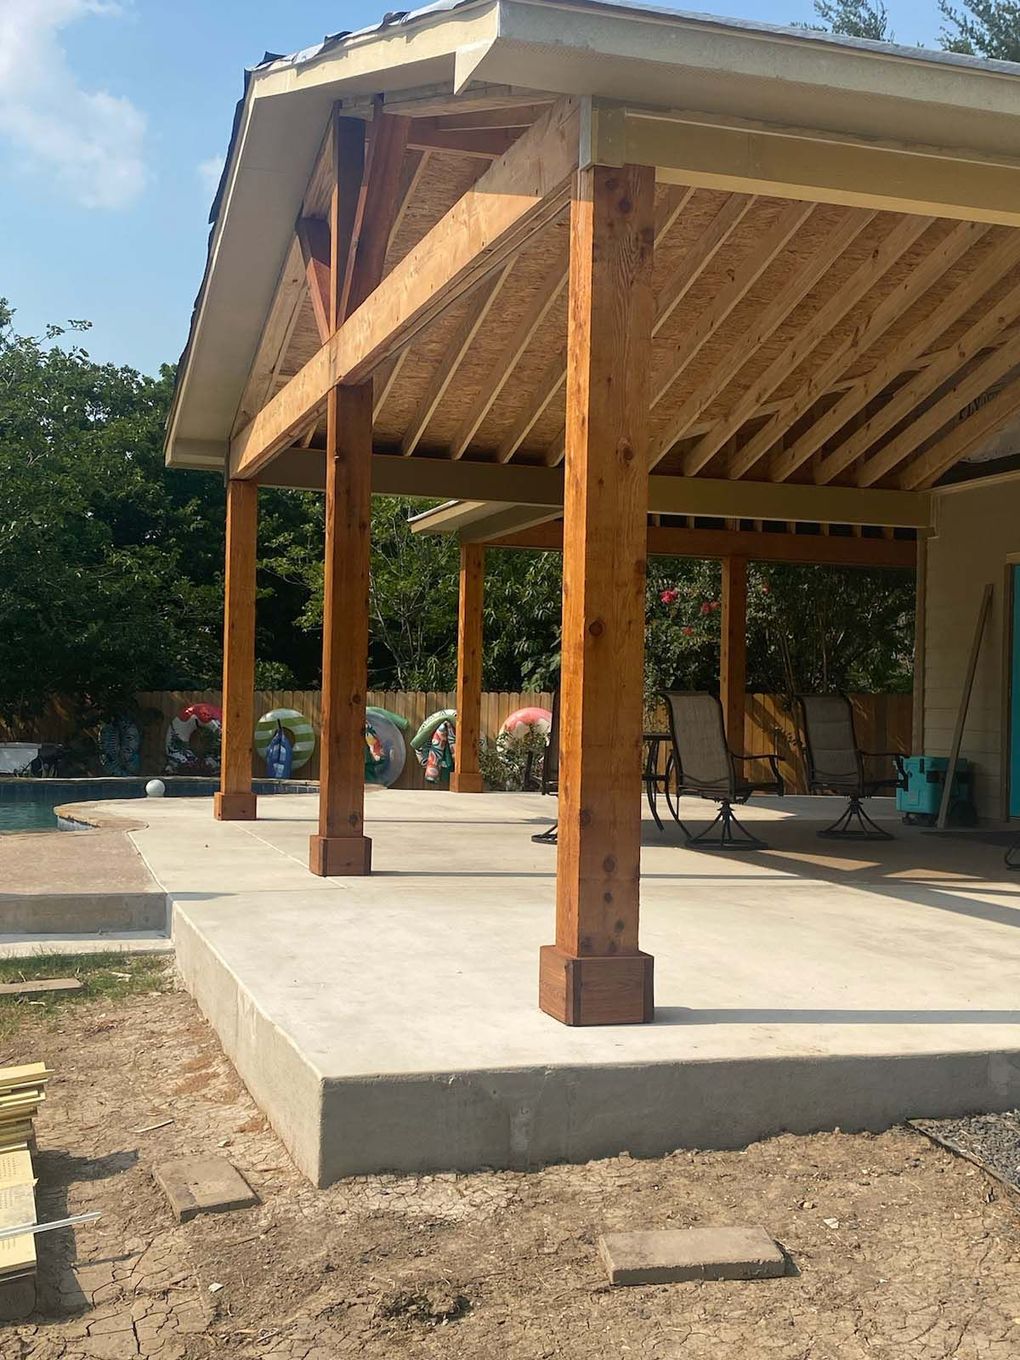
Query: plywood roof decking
point(715, 236)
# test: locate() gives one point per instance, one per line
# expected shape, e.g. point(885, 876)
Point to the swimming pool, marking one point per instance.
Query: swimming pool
point(27, 804)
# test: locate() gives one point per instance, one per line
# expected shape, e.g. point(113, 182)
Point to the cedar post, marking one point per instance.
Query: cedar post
point(341, 846)
point(466, 776)
point(733, 650)
point(595, 973)
point(235, 801)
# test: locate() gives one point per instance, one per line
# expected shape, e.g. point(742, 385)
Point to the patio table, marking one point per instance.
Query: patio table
point(654, 780)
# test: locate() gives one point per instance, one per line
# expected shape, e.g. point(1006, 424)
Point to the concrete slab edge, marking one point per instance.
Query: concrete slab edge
point(522, 1119)
point(83, 913)
point(284, 1084)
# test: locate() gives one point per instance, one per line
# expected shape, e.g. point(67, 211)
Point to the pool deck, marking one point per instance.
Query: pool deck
point(391, 1022)
point(78, 893)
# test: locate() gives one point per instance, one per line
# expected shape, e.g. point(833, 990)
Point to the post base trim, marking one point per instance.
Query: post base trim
point(608, 990)
point(340, 856)
point(235, 807)
point(466, 781)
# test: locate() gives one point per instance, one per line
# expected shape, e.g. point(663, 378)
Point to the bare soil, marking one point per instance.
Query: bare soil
point(900, 1249)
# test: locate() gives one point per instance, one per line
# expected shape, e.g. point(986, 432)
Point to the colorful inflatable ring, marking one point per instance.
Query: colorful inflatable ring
point(119, 742)
point(424, 733)
point(295, 724)
point(397, 719)
point(524, 721)
point(385, 752)
point(181, 758)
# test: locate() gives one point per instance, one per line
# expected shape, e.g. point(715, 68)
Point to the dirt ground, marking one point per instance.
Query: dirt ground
point(900, 1249)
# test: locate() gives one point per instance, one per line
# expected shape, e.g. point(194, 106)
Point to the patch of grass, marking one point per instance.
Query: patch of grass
point(110, 977)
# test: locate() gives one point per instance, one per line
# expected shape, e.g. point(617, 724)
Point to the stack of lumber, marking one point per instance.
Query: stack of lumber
point(21, 1093)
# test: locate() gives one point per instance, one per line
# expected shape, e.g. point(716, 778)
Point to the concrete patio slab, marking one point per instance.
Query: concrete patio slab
point(391, 1022)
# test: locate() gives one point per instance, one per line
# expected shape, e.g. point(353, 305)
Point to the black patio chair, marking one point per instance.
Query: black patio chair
point(836, 765)
point(704, 765)
point(549, 778)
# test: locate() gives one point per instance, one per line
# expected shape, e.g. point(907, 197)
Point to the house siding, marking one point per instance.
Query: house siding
point(976, 531)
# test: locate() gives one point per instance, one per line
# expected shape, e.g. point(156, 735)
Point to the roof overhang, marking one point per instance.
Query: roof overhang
point(786, 79)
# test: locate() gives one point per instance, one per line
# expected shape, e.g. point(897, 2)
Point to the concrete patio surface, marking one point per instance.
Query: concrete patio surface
point(391, 1022)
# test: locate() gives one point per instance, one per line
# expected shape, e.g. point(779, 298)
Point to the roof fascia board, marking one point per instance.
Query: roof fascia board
point(701, 150)
point(771, 75)
point(271, 159)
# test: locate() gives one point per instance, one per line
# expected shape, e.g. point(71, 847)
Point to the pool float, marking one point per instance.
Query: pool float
point(119, 740)
point(421, 739)
point(298, 728)
point(524, 721)
point(279, 754)
point(181, 756)
point(397, 719)
point(438, 758)
point(385, 752)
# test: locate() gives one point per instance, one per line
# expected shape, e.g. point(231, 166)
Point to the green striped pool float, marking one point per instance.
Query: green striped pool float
point(297, 727)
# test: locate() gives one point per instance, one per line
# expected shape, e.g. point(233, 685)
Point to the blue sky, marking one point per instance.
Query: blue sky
point(114, 115)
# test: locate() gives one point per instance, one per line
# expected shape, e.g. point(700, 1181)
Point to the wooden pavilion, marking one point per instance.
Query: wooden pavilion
point(612, 279)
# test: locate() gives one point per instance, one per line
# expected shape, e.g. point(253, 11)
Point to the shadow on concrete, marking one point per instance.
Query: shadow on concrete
point(683, 1015)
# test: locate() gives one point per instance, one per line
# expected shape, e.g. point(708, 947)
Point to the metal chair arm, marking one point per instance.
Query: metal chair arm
point(773, 759)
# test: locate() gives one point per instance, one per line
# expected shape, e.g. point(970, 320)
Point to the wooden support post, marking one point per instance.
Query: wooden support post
point(595, 973)
point(235, 801)
point(733, 649)
point(467, 777)
point(341, 846)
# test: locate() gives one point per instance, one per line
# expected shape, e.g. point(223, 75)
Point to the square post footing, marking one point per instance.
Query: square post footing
point(612, 989)
point(468, 782)
point(235, 807)
point(339, 856)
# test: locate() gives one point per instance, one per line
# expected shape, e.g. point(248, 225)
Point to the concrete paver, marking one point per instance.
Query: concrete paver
point(670, 1255)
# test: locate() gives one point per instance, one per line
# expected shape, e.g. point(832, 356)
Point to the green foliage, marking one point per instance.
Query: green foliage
point(809, 629)
point(107, 976)
point(855, 18)
point(507, 762)
point(982, 28)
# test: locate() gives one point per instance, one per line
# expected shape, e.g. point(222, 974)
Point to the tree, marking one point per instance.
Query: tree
point(854, 18)
point(983, 28)
point(111, 565)
point(94, 604)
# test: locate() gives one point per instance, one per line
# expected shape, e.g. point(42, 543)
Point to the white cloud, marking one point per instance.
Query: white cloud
point(89, 141)
point(209, 172)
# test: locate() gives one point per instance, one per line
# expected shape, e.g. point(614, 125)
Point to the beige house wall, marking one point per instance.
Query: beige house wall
point(976, 532)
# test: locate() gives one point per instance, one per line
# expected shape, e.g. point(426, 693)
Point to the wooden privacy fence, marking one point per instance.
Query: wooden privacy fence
point(883, 723)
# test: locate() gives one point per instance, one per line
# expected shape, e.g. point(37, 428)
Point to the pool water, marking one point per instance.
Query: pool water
point(25, 816)
point(27, 804)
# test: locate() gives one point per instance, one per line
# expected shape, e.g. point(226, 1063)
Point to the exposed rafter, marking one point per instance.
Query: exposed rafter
point(793, 291)
point(968, 435)
point(693, 264)
point(970, 386)
point(986, 330)
point(514, 198)
point(843, 300)
point(695, 261)
point(453, 356)
point(696, 335)
point(918, 282)
point(547, 294)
